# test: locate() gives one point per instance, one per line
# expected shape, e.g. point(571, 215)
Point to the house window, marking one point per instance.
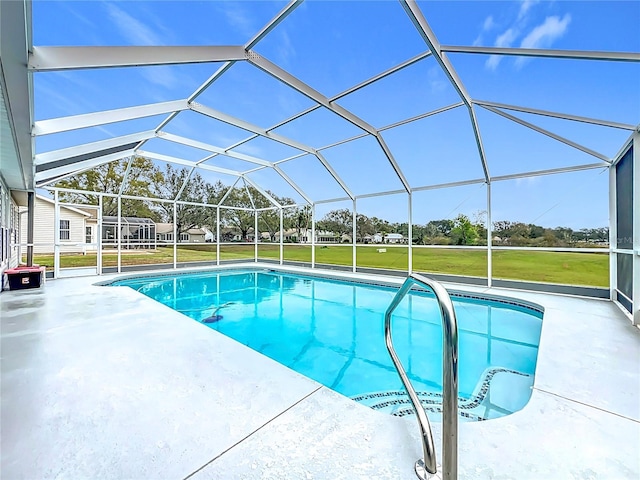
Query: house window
point(88, 236)
point(64, 230)
point(169, 237)
point(184, 237)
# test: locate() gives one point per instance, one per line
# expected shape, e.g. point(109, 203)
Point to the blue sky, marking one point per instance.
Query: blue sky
point(333, 45)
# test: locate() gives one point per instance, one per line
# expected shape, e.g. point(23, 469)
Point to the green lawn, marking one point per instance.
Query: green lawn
point(590, 269)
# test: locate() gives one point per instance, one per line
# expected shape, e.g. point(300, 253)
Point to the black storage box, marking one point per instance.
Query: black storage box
point(25, 277)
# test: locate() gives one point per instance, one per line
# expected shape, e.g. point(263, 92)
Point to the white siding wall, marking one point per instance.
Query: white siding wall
point(44, 229)
point(8, 220)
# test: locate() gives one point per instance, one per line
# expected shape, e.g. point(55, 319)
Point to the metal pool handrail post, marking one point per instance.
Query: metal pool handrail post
point(449, 387)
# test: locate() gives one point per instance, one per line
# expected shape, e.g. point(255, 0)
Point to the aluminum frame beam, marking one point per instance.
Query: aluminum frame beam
point(262, 191)
point(187, 163)
point(236, 122)
point(55, 155)
point(423, 28)
point(211, 148)
point(562, 116)
point(74, 168)
point(48, 59)
point(284, 13)
point(309, 92)
point(564, 140)
point(539, 52)
point(75, 122)
point(223, 117)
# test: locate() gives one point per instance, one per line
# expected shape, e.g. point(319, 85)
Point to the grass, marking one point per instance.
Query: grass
point(569, 268)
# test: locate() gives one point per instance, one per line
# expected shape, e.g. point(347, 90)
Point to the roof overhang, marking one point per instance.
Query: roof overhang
point(16, 109)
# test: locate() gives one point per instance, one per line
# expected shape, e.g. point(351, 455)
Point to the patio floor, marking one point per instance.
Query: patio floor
point(106, 383)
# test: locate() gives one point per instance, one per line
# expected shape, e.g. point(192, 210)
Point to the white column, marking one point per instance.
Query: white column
point(353, 239)
point(119, 233)
point(410, 233)
point(489, 239)
point(281, 238)
point(313, 236)
point(613, 234)
point(217, 235)
point(175, 235)
point(56, 235)
point(255, 236)
point(99, 237)
point(636, 228)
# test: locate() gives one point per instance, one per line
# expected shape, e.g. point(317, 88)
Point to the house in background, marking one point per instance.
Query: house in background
point(77, 228)
point(394, 238)
point(164, 234)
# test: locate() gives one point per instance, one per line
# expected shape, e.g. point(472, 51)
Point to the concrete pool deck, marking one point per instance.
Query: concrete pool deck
point(106, 383)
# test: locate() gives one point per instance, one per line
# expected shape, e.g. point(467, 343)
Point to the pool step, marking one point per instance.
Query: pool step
point(397, 402)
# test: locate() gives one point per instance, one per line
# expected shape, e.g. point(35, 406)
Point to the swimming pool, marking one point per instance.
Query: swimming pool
point(332, 331)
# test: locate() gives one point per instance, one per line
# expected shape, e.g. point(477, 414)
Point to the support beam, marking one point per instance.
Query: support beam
point(47, 59)
point(284, 13)
point(313, 236)
point(354, 232)
point(489, 239)
point(88, 149)
point(42, 177)
point(75, 122)
point(292, 183)
point(636, 229)
point(187, 163)
point(410, 233)
point(236, 122)
point(335, 175)
point(262, 191)
point(216, 75)
point(56, 234)
point(539, 52)
point(301, 87)
point(31, 208)
point(416, 16)
point(211, 148)
point(566, 141)
point(563, 116)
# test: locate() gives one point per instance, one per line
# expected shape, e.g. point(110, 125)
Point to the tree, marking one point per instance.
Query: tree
point(177, 184)
point(463, 232)
point(108, 178)
point(337, 221)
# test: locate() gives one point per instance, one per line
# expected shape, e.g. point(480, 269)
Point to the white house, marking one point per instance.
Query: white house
point(164, 234)
point(394, 238)
point(321, 237)
point(77, 228)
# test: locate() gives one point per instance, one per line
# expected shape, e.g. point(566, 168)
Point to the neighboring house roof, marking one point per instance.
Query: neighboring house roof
point(66, 207)
point(394, 235)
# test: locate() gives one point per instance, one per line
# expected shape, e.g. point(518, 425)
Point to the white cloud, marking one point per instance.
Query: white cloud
point(489, 23)
point(239, 17)
point(545, 34)
point(131, 29)
point(505, 39)
point(525, 6)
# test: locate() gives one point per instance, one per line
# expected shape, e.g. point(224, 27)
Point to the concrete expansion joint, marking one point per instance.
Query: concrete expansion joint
point(251, 434)
point(635, 420)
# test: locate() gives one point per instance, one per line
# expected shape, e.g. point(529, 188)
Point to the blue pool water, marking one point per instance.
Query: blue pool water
point(332, 331)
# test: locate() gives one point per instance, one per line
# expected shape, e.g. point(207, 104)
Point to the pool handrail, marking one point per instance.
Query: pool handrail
point(450, 381)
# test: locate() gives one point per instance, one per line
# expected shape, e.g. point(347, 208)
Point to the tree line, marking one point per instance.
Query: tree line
point(144, 179)
point(465, 231)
